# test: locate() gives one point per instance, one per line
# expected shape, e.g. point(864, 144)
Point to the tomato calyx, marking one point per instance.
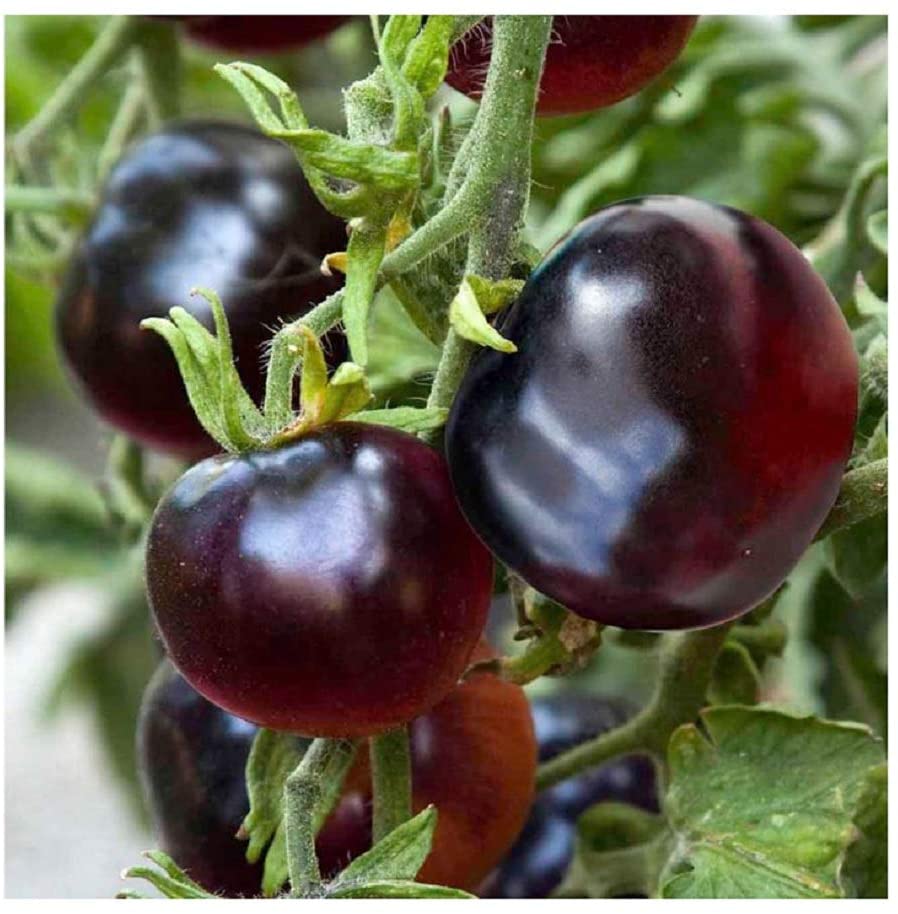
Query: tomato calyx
point(227, 412)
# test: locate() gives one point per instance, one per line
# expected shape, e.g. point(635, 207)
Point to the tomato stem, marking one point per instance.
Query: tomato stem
point(160, 58)
point(494, 194)
point(864, 494)
point(687, 662)
point(110, 46)
point(391, 781)
point(309, 795)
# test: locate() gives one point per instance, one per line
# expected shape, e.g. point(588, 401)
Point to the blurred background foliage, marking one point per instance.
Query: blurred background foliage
point(783, 117)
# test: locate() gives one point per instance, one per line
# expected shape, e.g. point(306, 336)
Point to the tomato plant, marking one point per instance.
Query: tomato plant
point(193, 755)
point(217, 197)
point(591, 62)
point(622, 377)
point(675, 422)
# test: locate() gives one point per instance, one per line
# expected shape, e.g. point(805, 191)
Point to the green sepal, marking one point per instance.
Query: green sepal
point(216, 393)
point(275, 872)
point(246, 79)
point(384, 170)
point(398, 856)
point(272, 758)
point(406, 418)
point(169, 878)
point(467, 318)
point(427, 57)
point(408, 105)
point(365, 252)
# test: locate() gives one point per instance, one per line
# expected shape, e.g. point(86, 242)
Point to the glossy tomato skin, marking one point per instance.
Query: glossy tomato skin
point(328, 588)
point(200, 203)
point(192, 757)
point(259, 34)
point(474, 758)
point(591, 61)
point(536, 865)
point(675, 424)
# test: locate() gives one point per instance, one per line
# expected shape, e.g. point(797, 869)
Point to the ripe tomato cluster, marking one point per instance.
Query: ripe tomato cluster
point(193, 754)
point(657, 454)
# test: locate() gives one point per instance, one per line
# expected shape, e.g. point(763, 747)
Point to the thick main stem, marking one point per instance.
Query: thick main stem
point(685, 671)
point(309, 795)
point(497, 186)
point(391, 781)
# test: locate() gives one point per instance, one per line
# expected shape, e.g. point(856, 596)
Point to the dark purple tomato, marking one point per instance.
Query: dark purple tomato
point(675, 424)
point(329, 588)
point(259, 33)
point(474, 758)
point(591, 62)
point(537, 863)
point(198, 204)
point(192, 758)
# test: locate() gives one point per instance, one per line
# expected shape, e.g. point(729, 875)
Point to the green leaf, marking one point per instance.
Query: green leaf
point(397, 889)
point(878, 231)
point(866, 864)
point(398, 856)
point(735, 679)
point(763, 807)
point(407, 418)
point(468, 320)
point(273, 757)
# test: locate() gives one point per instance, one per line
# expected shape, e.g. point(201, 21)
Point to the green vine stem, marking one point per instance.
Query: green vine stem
point(68, 202)
point(160, 56)
point(687, 661)
point(495, 192)
point(391, 781)
point(124, 124)
point(110, 46)
point(309, 796)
